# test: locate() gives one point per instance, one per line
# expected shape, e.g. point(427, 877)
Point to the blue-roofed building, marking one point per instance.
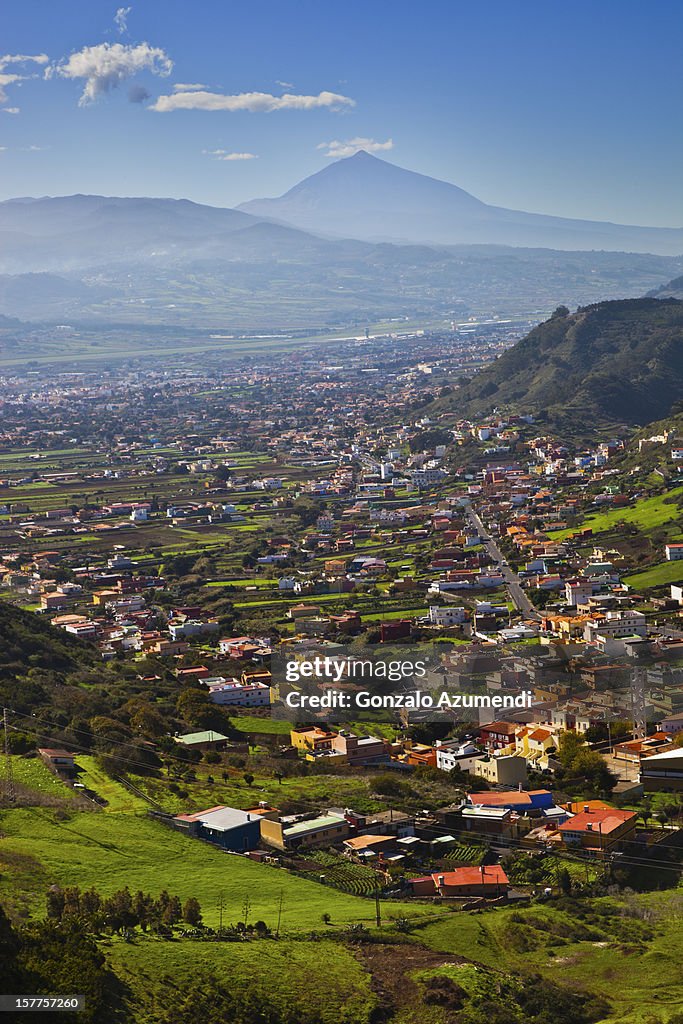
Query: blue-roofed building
point(227, 827)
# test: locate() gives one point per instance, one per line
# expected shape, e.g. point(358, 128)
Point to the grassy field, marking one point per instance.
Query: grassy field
point(657, 575)
point(647, 514)
point(251, 723)
point(110, 851)
point(639, 976)
point(336, 989)
point(33, 774)
point(119, 799)
point(312, 791)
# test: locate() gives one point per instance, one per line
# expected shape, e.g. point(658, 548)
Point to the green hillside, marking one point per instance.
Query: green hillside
point(610, 363)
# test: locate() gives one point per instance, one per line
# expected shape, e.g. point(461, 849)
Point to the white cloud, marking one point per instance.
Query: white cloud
point(105, 66)
point(223, 154)
point(188, 87)
point(11, 110)
point(337, 149)
point(255, 102)
point(10, 77)
point(284, 85)
point(121, 19)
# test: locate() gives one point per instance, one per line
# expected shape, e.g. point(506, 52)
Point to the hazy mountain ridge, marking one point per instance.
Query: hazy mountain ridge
point(99, 259)
point(671, 290)
point(613, 362)
point(364, 197)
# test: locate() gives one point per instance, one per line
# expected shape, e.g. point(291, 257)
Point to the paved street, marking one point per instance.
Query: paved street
point(517, 595)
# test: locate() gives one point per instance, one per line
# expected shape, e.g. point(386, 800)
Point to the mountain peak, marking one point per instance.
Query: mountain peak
point(364, 197)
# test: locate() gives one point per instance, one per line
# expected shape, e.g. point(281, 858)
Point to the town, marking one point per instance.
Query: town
point(400, 662)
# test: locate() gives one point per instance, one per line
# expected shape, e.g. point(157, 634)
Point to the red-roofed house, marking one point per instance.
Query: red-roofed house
point(599, 828)
point(469, 881)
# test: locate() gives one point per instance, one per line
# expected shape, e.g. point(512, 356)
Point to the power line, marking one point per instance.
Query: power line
point(509, 842)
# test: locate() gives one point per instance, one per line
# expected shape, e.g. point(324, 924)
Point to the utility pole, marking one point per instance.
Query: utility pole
point(9, 777)
point(279, 914)
point(378, 908)
point(220, 914)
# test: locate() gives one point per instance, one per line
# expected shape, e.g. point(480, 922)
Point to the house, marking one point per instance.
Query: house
point(663, 772)
point(227, 827)
point(534, 801)
point(674, 552)
point(671, 725)
point(311, 739)
point(366, 847)
point(599, 829)
point(59, 760)
point(295, 832)
point(504, 770)
point(246, 695)
point(452, 754)
point(489, 880)
point(398, 630)
point(448, 615)
point(615, 624)
point(347, 748)
point(421, 754)
point(208, 740)
point(497, 735)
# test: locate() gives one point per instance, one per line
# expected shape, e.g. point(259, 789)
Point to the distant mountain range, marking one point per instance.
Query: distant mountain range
point(166, 262)
point(609, 363)
point(364, 197)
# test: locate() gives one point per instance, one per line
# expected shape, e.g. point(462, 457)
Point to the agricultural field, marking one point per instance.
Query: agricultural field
point(657, 576)
point(648, 514)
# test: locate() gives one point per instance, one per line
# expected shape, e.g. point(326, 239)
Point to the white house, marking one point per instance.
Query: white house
point(674, 552)
point(454, 753)
point(450, 615)
point(245, 695)
point(615, 625)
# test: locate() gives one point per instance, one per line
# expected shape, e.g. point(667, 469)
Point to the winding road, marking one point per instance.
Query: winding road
point(517, 595)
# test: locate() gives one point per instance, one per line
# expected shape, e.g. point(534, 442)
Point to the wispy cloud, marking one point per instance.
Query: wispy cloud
point(224, 154)
point(10, 77)
point(284, 85)
point(11, 110)
point(121, 19)
point(337, 149)
point(255, 102)
point(188, 87)
point(105, 66)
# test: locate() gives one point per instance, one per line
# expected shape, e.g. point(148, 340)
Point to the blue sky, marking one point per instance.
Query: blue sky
point(561, 107)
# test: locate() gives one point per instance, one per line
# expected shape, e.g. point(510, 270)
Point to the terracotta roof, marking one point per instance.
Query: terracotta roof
point(493, 874)
point(604, 820)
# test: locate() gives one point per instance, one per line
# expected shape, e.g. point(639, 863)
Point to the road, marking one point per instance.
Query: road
point(517, 595)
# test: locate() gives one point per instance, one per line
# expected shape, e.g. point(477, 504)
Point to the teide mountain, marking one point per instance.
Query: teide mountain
point(364, 197)
point(613, 362)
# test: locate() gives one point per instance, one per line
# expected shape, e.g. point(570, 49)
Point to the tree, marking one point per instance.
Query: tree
point(564, 880)
point(248, 778)
point(173, 912)
point(192, 912)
